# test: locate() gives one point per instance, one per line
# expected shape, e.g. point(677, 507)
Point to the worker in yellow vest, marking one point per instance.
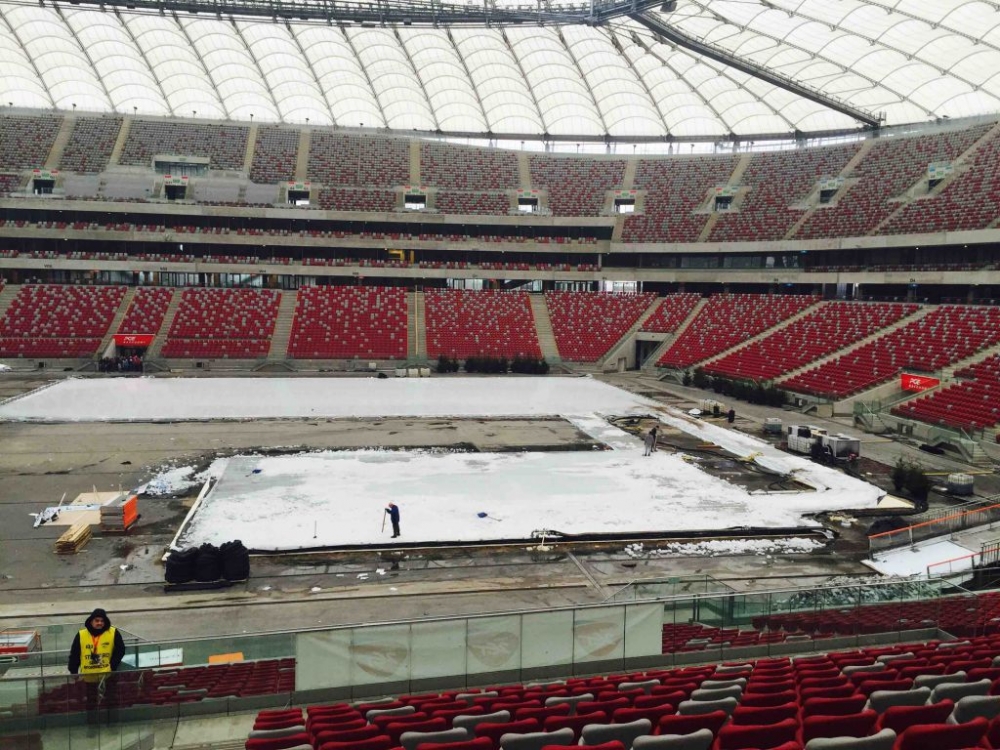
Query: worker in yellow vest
point(96, 652)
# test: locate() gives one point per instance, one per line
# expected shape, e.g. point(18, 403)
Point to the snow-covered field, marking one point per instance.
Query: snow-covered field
point(338, 497)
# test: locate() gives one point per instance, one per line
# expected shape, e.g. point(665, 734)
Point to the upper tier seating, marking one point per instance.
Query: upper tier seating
point(146, 313)
point(224, 145)
point(671, 312)
point(774, 703)
point(344, 322)
point(972, 404)
point(10, 183)
point(675, 188)
point(587, 324)
point(464, 323)
point(727, 320)
point(576, 187)
point(58, 321)
point(274, 155)
point(494, 204)
point(367, 161)
point(968, 202)
point(462, 168)
point(90, 145)
point(891, 167)
point(349, 199)
point(223, 323)
point(776, 181)
point(948, 334)
point(827, 329)
point(25, 142)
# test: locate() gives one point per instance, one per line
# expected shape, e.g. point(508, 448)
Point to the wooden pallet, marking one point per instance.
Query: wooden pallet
point(73, 539)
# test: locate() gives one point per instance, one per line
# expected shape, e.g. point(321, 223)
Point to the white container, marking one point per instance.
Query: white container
point(400, 372)
point(425, 372)
point(961, 484)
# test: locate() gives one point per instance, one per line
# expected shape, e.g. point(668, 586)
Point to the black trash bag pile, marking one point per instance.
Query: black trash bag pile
point(208, 563)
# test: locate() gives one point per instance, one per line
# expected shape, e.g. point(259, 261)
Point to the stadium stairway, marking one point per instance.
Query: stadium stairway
point(116, 321)
point(853, 162)
point(251, 147)
point(626, 344)
point(168, 320)
point(650, 364)
point(967, 156)
point(302, 159)
point(734, 179)
point(59, 144)
point(116, 152)
point(543, 328)
point(282, 328)
point(416, 345)
point(7, 296)
point(905, 320)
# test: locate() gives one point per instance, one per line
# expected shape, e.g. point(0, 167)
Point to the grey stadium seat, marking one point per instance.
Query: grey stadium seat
point(597, 734)
point(883, 740)
point(537, 740)
point(410, 740)
point(698, 740)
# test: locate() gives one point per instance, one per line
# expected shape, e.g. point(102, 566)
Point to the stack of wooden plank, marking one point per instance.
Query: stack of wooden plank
point(119, 514)
point(74, 539)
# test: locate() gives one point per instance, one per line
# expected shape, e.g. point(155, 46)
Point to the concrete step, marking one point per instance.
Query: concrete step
point(117, 320)
point(416, 331)
point(302, 158)
point(116, 152)
point(283, 326)
point(168, 320)
point(543, 328)
point(59, 144)
point(653, 358)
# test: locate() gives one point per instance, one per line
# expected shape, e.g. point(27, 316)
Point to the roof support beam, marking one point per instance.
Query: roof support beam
point(680, 39)
point(149, 65)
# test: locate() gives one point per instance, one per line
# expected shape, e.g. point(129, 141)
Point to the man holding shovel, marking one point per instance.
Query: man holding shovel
point(393, 511)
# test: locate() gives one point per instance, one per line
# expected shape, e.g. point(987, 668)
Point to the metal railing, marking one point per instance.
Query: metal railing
point(937, 523)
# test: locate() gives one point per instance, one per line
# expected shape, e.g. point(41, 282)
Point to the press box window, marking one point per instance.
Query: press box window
point(624, 205)
point(415, 202)
point(174, 192)
point(298, 197)
point(723, 202)
point(527, 205)
point(42, 185)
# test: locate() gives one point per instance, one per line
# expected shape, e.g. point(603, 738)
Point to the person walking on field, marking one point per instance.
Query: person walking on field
point(650, 441)
point(96, 653)
point(393, 511)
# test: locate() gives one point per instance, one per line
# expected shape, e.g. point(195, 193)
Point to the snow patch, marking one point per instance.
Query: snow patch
point(714, 547)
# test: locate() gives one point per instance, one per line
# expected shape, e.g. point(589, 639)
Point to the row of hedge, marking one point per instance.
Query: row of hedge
point(744, 390)
point(494, 365)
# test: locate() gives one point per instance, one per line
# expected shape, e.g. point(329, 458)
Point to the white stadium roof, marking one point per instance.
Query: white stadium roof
point(906, 61)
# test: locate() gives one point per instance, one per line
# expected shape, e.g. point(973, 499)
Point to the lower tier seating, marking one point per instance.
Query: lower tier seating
point(52, 320)
point(223, 324)
point(727, 320)
point(463, 323)
point(587, 324)
point(340, 322)
point(946, 335)
point(831, 327)
point(924, 696)
point(972, 404)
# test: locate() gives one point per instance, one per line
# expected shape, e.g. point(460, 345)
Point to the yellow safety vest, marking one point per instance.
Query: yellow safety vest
point(95, 653)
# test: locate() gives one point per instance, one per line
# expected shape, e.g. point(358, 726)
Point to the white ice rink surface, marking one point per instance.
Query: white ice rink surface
point(145, 399)
point(338, 497)
point(913, 561)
